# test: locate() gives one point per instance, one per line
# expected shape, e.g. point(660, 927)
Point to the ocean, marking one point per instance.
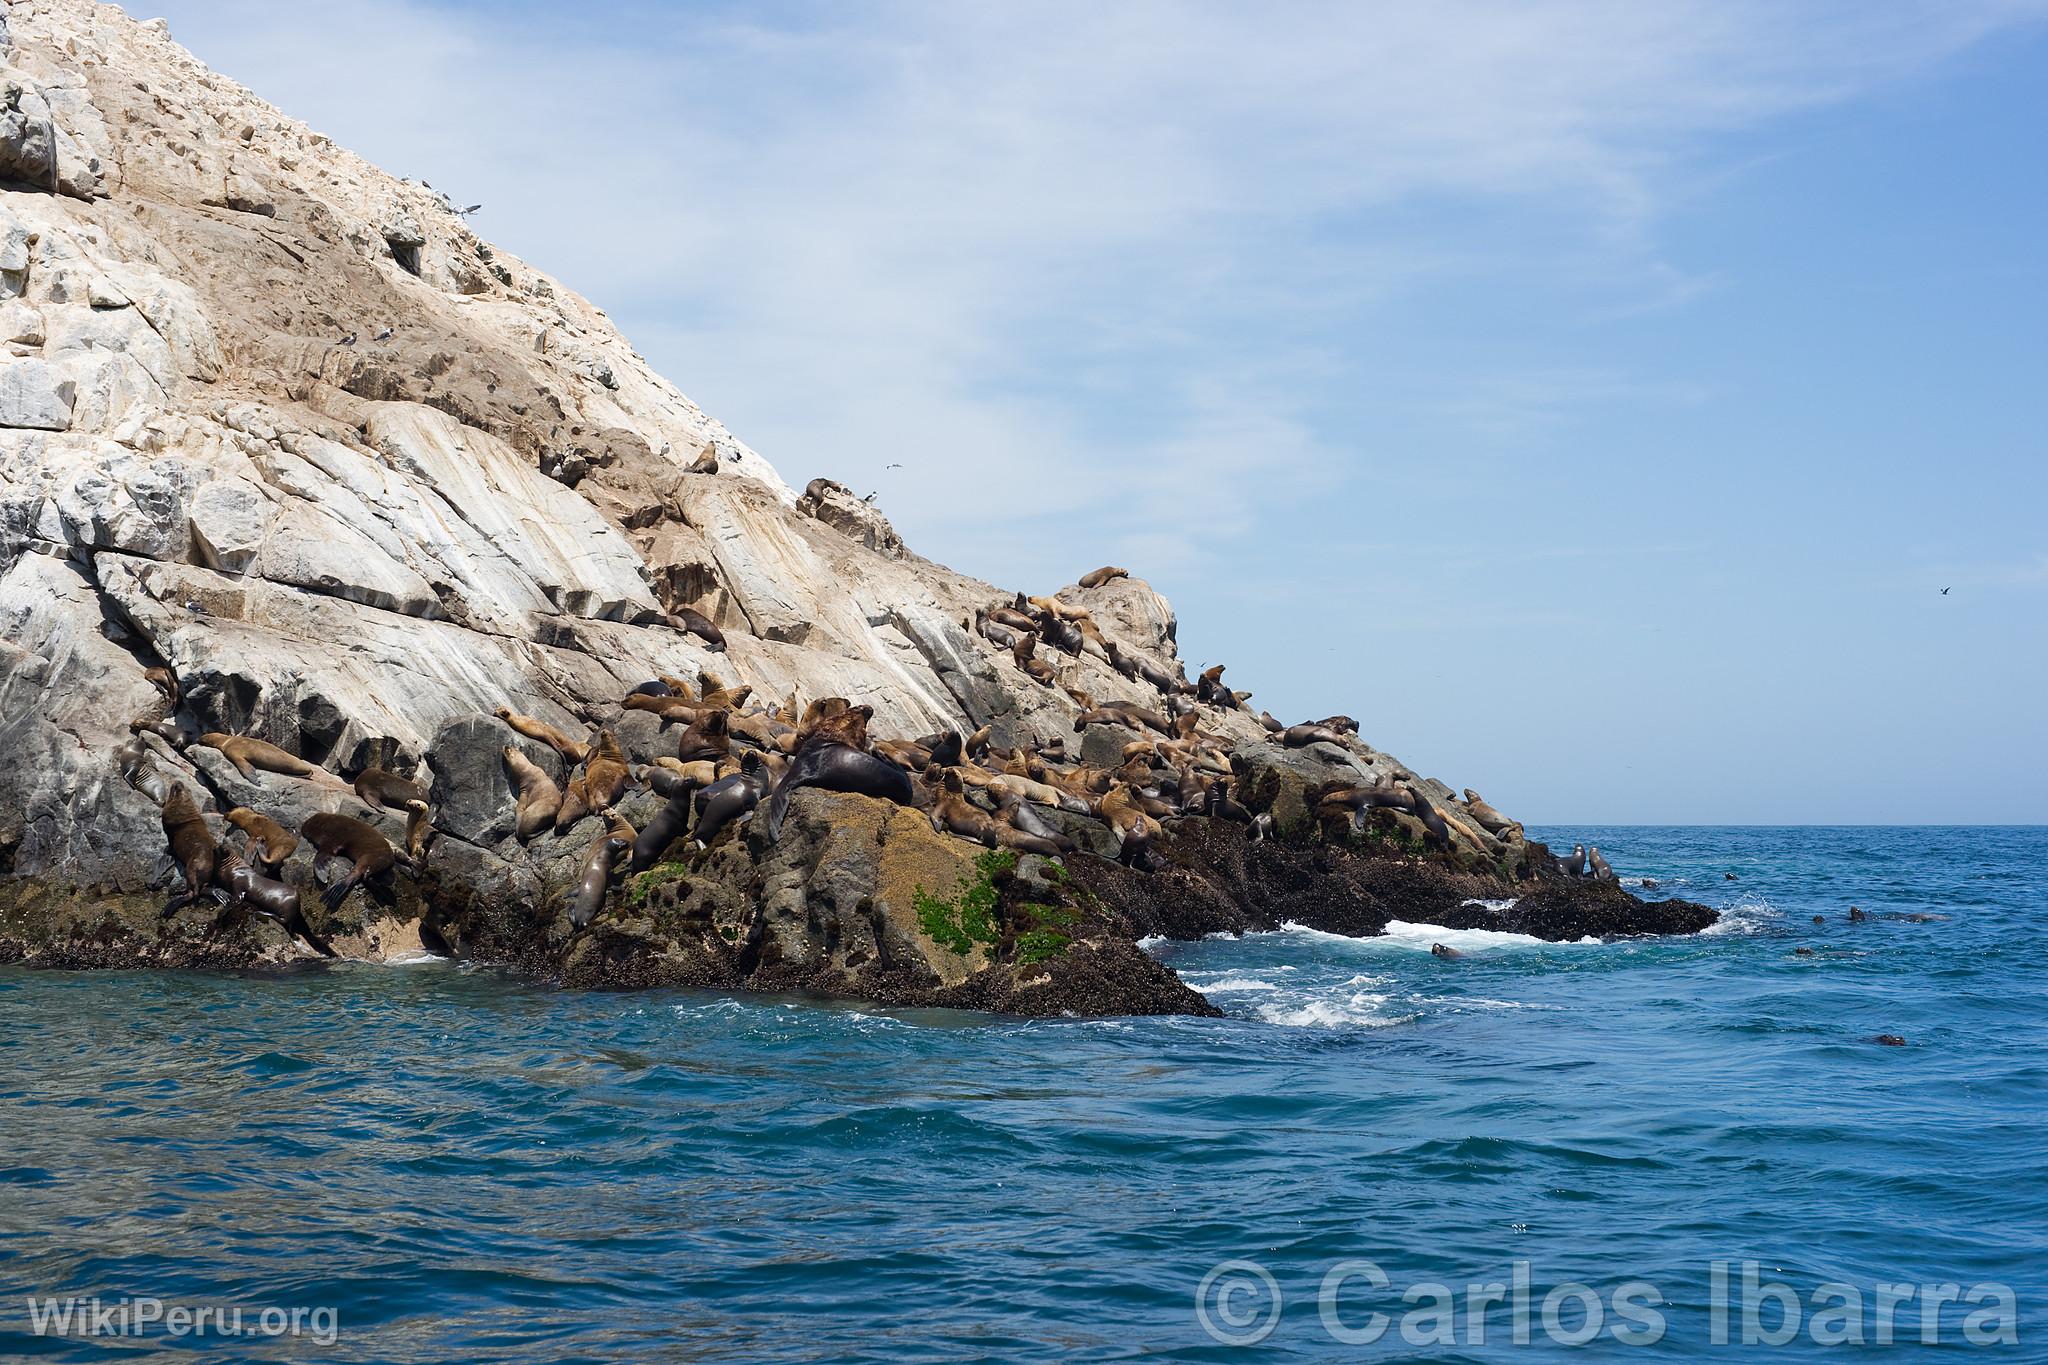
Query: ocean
point(1678, 1142)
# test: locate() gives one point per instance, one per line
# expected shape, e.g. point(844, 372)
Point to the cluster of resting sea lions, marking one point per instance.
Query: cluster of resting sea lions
point(739, 759)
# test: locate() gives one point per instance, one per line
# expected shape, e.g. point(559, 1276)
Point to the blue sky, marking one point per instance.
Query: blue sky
point(1591, 398)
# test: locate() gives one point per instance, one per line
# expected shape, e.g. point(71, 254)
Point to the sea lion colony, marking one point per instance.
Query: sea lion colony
point(735, 754)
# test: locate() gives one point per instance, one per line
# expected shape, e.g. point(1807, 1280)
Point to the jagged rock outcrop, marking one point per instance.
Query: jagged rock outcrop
point(284, 428)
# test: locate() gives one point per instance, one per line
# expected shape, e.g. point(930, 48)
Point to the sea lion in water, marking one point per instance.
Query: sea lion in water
point(249, 754)
point(269, 897)
point(547, 734)
point(269, 843)
point(953, 812)
point(1856, 916)
point(840, 768)
point(588, 897)
point(729, 798)
point(1444, 951)
point(1601, 871)
point(369, 853)
point(1095, 578)
point(192, 846)
point(539, 798)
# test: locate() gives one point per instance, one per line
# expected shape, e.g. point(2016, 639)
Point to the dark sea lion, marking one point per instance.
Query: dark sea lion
point(1600, 870)
point(1272, 726)
point(1218, 805)
point(1432, 819)
point(368, 852)
point(1022, 817)
point(268, 896)
point(654, 687)
point(139, 766)
point(697, 624)
point(836, 767)
point(381, 789)
point(1300, 736)
point(710, 737)
point(1856, 916)
point(669, 824)
point(1574, 866)
point(269, 843)
point(589, 896)
point(1035, 668)
point(1095, 578)
point(249, 754)
point(547, 734)
point(1889, 1040)
point(729, 798)
point(953, 813)
point(1445, 952)
point(1802, 952)
point(192, 846)
point(1061, 634)
point(540, 800)
point(996, 632)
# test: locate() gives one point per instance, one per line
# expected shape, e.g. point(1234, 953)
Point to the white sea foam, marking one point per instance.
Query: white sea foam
point(1423, 936)
point(1361, 1009)
point(1152, 942)
point(1231, 983)
point(1496, 906)
point(1750, 915)
point(416, 957)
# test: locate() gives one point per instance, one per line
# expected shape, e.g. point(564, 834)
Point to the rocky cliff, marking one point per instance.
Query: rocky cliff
point(287, 451)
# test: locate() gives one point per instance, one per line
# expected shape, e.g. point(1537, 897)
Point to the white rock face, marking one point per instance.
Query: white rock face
point(281, 423)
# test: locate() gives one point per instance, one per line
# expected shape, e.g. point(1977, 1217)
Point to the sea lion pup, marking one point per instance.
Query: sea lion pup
point(268, 843)
point(588, 897)
point(1490, 820)
point(953, 813)
point(710, 737)
point(1601, 871)
point(368, 852)
point(1574, 866)
point(164, 681)
point(1300, 736)
point(1448, 954)
point(1033, 667)
point(729, 798)
point(705, 463)
point(540, 800)
point(248, 755)
point(268, 896)
point(192, 847)
point(696, 623)
point(1095, 578)
point(572, 751)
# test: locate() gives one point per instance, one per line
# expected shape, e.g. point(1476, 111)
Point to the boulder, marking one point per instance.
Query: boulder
point(33, 395)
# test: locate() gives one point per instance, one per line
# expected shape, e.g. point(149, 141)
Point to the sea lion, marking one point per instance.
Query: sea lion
point(192, 846)
point(1856, 916)
point(540, 800)
point(164, 681)
point(1273, 727)
point(836, 767)
point(1014, 617)
point(1122, 811)
point(997, 633)
point(1095, 578)
point(1037, 669)
point(1218, 805)
point(669, 824)
point(1300, 736)
point(368, 852)
point(696, 623)
point(600, 784)
point(268, 896)
point(1575, 866)
point(268, 844)
point(249, 754)
point(1444, 951)
point(547, 734)
point(1062, 634)
point(1490, 820)
point(953, 812)
point(710, 737)
point(139, 766)
point(588, 897)
point(1601, 871)
point(1432, 819)
point(1889, 1040)
point(381, 789)
point(1022, 819)
point(729, 798)
point(847, 725)
point(1209, 688)
point(1052, 606)
point(653, 687)
point(705, 463)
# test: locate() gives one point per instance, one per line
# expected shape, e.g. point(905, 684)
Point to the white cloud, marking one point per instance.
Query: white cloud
point(1097, 253)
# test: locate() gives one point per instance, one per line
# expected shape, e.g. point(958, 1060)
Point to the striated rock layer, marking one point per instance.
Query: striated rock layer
point(282, 425)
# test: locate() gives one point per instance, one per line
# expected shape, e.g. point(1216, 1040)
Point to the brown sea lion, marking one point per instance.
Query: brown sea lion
point(1273, 727)
point(1122, 810)
point(1037, 669)
point(1022, 822)
point(705, 463)
point(588, 898)
point(382, 789)
point(1489, 819)
point(139, 766)
point(848, 727)
point(710, 738)
point(600, 784)
point(268, 844)
point(368, 852)
point(192, 846)
point(539, 798)
point(670, 707)
point(249, 754)
point(696, 623)
point(1015, 617)
point(953, 812)
point(1095, 578)
point(164, 681)
point(547, 734)
point(1300, 736)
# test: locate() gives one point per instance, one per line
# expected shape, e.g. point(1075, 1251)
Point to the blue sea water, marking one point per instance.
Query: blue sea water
point(459, 1166)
